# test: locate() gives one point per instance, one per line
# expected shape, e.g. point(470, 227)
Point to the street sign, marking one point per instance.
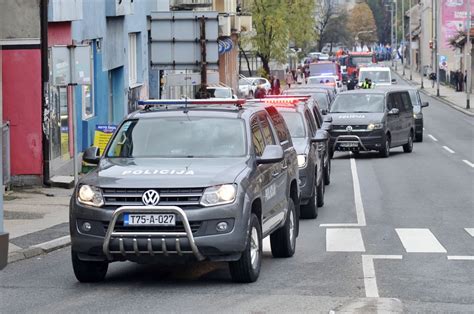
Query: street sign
point(175, 40)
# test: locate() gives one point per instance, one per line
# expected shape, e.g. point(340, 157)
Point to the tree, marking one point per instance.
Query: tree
point(276, 22)
point(336, 30)
point(381, 15)
point(362, 24)
point(326, 10)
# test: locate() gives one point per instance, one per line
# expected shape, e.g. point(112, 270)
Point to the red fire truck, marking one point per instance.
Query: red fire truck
point(354, 60)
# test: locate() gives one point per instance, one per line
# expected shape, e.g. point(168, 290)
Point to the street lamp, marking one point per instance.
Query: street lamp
point(409, 45)
point(390, 9)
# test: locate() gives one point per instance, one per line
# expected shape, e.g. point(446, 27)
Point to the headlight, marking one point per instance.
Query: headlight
point(375, 126)
point(302, 161)
point(219, 195)
point(90, 195)
point(417, 116)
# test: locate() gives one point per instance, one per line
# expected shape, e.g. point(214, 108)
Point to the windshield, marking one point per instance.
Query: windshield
point(375, 76)
point(360, 60)
point(220, 92)
point(358, 103)
point(294, 121)
point(414, 101)
point(179, 137)
point(320, 68)
point(321, 80)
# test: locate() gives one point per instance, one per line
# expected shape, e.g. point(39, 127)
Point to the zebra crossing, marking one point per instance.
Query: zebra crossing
point(412, 240)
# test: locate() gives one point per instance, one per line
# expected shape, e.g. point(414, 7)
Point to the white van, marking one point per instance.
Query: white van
point(381, 76)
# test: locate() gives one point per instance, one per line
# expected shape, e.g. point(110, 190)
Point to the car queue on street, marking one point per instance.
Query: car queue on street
point(209, 179)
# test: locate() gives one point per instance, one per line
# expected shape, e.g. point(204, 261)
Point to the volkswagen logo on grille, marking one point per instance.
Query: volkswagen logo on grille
point(150, 198)
point(349, 128)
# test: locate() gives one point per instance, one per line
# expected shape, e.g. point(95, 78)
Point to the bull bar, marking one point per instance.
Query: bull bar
point(150, 250)
point(348, 138)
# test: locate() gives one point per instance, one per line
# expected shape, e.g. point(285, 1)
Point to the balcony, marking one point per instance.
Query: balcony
point(64, 10)
point(118, 7)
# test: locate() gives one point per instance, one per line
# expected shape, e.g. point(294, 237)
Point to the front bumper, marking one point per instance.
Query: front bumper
point(306, 179)
point(357, 141)
point(419, 126)
point(195, 235)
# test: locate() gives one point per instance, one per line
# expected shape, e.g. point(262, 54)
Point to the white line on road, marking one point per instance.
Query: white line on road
point(344, 240)
point(460, 258)
point(370, 280)
point(470, 231)
point(419, 241)
point(467, 162)
point(432, 137)
point(449, 149)
point(359, 206)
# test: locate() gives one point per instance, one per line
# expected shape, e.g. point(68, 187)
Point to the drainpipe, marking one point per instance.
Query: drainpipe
point(45, 88)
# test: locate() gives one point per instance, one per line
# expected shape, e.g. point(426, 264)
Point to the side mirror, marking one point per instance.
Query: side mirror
point(272, 154)
point(234, 96)
point(92, 155)
point(425, 104)
point(394, 81)
point(327, 119)
point(321, 137)
point(394, 112)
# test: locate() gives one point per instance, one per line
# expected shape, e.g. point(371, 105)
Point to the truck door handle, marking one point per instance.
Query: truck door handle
point(284, 165)
point(275, 174)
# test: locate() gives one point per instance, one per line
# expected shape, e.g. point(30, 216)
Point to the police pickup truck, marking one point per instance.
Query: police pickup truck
point(187, 180)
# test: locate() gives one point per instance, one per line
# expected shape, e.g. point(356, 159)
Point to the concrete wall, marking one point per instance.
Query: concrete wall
point(19, 19)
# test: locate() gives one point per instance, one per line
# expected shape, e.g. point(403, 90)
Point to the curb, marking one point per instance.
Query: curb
point(448, 103)
point(39, 249)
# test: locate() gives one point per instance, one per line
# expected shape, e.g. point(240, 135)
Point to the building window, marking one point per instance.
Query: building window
point(87, 102)
point(132, 58)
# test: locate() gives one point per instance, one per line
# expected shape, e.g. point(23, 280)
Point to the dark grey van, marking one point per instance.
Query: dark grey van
point(366, 120)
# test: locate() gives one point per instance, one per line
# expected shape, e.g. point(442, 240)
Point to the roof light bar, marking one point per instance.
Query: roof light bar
point(167, 102)
point(299, 97)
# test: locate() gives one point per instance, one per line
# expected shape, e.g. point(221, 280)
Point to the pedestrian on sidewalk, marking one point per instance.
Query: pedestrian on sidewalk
point(289, 79)
point(432, 77)
point(456, 80)
point(460, 81)
point(275, 85)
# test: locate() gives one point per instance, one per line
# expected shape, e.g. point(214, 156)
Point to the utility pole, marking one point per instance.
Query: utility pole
point(72, 84)
point(403, 34)
point(410, 39)
point(396, 31)
point(203, 92)
point(468, 48)
point(422, 71)
point(3, 234)
point(436, 43)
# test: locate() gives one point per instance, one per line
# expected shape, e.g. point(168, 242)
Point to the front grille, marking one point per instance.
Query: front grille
point(354, 127)
point(119, 227)
point(182, 197)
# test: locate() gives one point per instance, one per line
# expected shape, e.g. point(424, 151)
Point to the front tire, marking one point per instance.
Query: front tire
point(327, 172)
point(283, 240)
point(408, 147)
point(384, 151)
point(310, 210)
point(87, 271)
point(247, 268)
point(320, 193)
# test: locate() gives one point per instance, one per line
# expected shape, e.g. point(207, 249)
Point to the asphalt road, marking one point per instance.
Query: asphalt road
point(398, 228)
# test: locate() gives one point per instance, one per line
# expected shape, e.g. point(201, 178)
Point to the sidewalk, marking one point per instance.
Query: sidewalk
point(37, 221)
point(448, 95)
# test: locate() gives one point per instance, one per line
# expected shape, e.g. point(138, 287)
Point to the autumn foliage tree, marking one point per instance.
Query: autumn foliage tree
point(362, 24)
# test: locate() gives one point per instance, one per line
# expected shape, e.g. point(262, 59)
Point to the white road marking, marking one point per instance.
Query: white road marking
point(419, 241)
point(344, 240)
point(449, 149)
point(359, 206)
point(470, 231)
point(432, 137)
point(370, 280)
point(460, 258)
point(467, 162)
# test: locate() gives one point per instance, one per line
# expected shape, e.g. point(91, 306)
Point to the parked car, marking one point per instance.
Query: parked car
point(372, 119)
point(221, 92)
point(206, 185)
point(248, 86)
